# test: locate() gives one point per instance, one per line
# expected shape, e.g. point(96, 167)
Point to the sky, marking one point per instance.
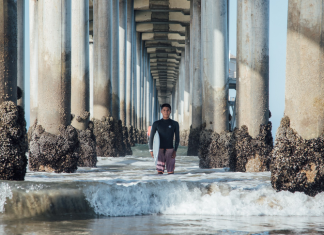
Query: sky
point(278, 36)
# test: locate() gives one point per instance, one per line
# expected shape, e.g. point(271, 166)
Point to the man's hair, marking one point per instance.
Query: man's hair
point(166, 105)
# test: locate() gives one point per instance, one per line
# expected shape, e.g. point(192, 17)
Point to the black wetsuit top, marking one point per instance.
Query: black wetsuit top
point(167, 129)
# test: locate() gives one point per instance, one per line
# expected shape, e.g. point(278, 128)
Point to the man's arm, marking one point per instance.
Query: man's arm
point(177, 139)
point(153, 130)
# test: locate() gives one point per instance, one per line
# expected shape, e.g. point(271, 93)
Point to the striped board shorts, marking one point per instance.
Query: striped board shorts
point(165, 159)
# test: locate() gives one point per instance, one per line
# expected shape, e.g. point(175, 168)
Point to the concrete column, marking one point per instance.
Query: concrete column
point(173, 102)
point(186, 110)
point(129, 62)
point(115, 61)
point(91, 76)
point(146, 89)
point(154, 101)
point(8, 50)
point(215, 63)
point(195, 52)
point(102, 59)
point(21, 51)
point(149, 93)
point(33, 59)
point(151, 99)
point(138, 78)
point(182, 87)
point(80, 64)
point(305, 68)
point(134, 76)
point(176, 101)
point(142, 84)
point(122, 59)
point(252, 89)
point(54, 58)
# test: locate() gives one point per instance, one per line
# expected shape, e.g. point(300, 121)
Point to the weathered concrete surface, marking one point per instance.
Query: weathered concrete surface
point(236, 150)
point(121, 148)
point(252, 99)
point(187, 85)
point(193, 141)
point(105, 137)
point(54, 153)
point(253, 154)
point(80, 64)
point(21, 50)
point(216, 150)
point(304, 100)
point(122, 59)
point(297, 163)
point(127, 145)
point(8, 51)
point(131, 136)
point(87, 147)
point(115, 61)
point(13, 142)
point(129, 34)
point(54, 70)
point(214, 56)
point(184, 138)
point(33, 59)
point(102, 60)
point(138, 79)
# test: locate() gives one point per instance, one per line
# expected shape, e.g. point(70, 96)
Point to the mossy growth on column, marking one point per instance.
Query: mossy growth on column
point(131, 136)
point(127, 144)
point(297, 164)
point(54, 153)
point(136, 138)
point(13, 142)
point(253, 154)
point(184, 138)
point(121, 148)
point(87, 149)
point(193, 141)
point(236, 150)
point(216, 150)
point(104, 130)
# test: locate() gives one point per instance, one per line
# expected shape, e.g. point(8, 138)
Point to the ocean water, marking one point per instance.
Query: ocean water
point(126, 196)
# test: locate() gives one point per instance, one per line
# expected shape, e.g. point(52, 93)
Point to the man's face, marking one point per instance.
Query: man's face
point(165, 112)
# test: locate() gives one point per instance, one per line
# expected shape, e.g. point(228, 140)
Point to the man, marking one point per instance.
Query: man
point(167, 128)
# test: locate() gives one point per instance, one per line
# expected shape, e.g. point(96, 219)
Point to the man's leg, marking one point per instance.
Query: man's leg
point(170, 162)
point(160, 166)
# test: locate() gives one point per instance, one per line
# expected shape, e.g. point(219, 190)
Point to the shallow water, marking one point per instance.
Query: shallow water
point(126, 196)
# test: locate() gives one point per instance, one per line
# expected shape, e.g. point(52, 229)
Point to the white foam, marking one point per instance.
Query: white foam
point(180, 198)
point(5, 193)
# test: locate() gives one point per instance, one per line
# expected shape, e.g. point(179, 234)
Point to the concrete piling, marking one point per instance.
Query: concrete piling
point(54, 59)
point(33, 59)
point(252, 65)
point(214, 74)
point(102, 59)
point(115, 60)
point(80, 64)
point(122, 59)
point(252, 89)
point(80, 83)
point(13, 137)
point(297, 163)
point(195, 51)
point(21, 52)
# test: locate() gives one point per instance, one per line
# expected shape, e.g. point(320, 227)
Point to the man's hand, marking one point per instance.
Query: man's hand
point(174, 154)
point(151, 152)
